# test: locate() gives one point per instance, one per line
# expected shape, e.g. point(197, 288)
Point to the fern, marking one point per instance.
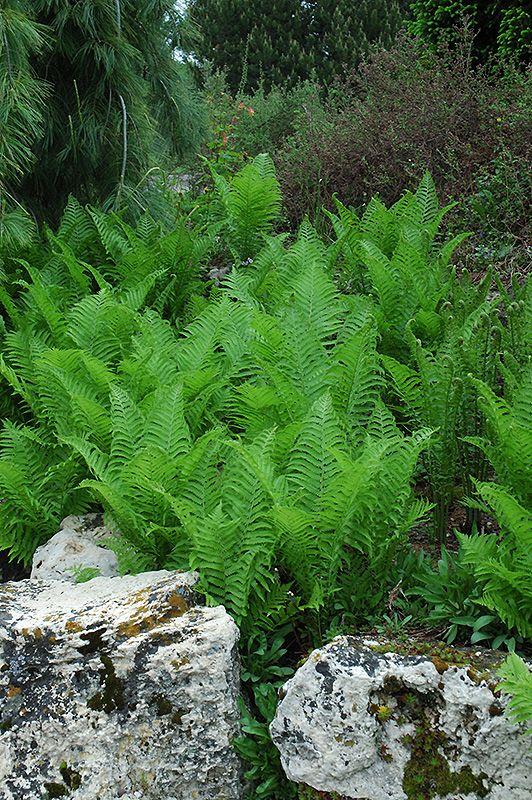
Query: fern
point(517, 682)
point(259, 441)
point(503, 565)
point(508, 440)
point(251, 202)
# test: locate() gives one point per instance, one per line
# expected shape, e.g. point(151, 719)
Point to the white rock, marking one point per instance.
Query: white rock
point(117, 688)
point(79, 544)
point(363, 723)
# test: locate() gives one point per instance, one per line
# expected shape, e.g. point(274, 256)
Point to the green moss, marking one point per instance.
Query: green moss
point(444, 656)
point(111, 698)
point(71, 778)
point(308, 793)
point(56, 790)
point(428, 775)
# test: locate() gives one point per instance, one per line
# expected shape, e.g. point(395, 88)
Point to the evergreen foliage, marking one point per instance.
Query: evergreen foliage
point(22, 94)
point(286, 41)
point(117, 100)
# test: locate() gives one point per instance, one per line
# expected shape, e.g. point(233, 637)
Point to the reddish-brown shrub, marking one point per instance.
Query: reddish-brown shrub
point(406, 110)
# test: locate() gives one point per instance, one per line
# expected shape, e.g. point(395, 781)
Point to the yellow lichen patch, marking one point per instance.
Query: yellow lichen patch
point(180, 662)
point(177, 601)
point(345, 742)
point(12, 691)
point(32, 633)
point(144, 620)
point(73, 627)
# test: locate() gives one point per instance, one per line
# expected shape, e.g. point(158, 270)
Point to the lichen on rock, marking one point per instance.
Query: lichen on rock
point(118, 688)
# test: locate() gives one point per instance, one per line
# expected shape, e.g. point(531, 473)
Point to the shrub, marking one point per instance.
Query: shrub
point(405, 111)
point(257, 122)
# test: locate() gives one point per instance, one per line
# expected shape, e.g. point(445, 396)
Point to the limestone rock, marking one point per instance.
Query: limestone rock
point(384, 726)
point(117, 688)
point(77, 545)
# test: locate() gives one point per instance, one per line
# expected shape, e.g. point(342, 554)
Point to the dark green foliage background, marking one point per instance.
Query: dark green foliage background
point(503, 27)
point(286, 40)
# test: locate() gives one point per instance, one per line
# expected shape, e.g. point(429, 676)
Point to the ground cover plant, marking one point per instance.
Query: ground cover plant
point(302, 433)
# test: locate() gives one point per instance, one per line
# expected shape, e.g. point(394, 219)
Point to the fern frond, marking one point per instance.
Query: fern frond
point(517, 682)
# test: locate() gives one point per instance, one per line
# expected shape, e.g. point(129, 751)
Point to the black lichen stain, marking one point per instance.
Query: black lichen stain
point(71, 782)
point(163, 705)
point(94, 642)
point(111, 698)
point(164, 708)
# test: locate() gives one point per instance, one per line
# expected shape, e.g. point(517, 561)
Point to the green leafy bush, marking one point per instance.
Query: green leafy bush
point(503, 27)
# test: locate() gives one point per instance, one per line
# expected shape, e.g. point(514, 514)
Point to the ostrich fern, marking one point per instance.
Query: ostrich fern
point(517, 682)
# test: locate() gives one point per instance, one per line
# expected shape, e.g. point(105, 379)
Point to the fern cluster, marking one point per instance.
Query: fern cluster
point(255, 439)
point(271, 436)
point(517, 682)
point(282, 433)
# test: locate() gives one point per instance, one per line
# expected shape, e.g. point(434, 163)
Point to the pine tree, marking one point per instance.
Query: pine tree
point(21, 93)
point(283, 41)
point(118, 100)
